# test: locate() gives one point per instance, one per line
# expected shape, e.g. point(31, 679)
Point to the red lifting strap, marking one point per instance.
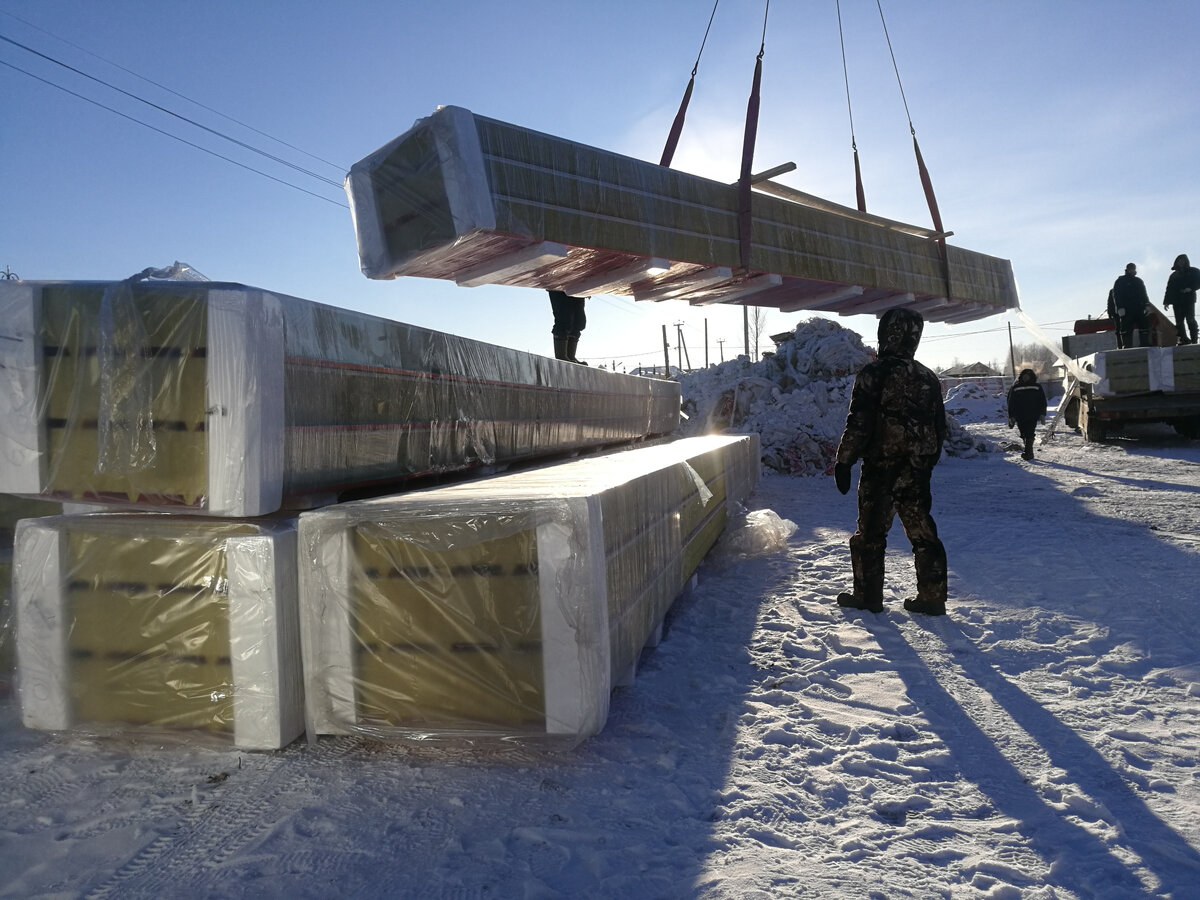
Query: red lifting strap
point(745, 220)
point(677, 125)
point(927, 184)
point(859, 193)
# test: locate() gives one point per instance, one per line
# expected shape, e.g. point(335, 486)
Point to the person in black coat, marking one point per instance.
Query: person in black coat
point(896, 426)
point(1132, 305)
point(1181, 293)
point(1026, 407)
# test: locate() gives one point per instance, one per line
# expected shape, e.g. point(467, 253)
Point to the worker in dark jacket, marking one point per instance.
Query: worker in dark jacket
point(570, 317)
point(1026, 407)
point(1181, 293)
point(896, 426)
point(1132, 305)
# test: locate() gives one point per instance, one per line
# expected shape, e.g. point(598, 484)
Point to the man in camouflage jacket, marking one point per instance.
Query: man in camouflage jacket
point(896, 426)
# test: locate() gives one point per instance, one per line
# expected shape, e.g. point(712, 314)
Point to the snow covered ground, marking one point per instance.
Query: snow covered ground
point(1042, 741)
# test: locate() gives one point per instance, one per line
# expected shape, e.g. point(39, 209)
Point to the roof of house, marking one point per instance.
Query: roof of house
point(970, 370)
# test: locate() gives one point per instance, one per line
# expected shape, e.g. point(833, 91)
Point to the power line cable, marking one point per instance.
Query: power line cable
point(161, 86)
point(168, 134)
point(169, 112)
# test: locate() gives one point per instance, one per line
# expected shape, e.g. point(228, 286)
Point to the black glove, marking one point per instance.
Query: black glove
point(841, 477)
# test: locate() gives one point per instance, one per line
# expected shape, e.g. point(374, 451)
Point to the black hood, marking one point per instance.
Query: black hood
point(1181, 262)
point(900, 332)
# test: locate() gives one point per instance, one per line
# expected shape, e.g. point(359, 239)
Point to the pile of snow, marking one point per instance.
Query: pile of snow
point(971, 403)
point(796, 399)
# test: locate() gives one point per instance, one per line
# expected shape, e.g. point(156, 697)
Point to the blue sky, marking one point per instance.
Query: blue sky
point(1060, 134)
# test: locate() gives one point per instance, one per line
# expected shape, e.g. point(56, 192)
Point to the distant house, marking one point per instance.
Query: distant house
point(976, 373)
point(971, 370)
point(656, 372)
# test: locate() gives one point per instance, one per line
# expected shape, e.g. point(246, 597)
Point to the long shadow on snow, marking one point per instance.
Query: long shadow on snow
point(1050, 551)
point(1078, 860)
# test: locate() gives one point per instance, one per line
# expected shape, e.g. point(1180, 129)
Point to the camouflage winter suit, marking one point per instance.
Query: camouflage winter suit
point(896, 426)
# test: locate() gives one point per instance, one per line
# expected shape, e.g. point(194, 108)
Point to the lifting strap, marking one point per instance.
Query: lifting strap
point(677, 125)
point(859, 193)
point(926, 182)
point(745, 218)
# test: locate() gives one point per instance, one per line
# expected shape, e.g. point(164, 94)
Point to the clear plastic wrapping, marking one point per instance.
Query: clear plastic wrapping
point(228, 400)
point(1136, 370)
point(508, 607)
point(145, 623)
point(12, 510)
point(470, 199)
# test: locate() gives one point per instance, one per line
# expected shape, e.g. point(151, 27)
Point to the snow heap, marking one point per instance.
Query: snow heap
point(971, 403)
point(796, 399)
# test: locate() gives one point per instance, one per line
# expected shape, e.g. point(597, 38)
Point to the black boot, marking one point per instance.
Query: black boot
point(867, 565)
point(572, 343)
point(850, 601)
point(925, 607)
point(560, 348)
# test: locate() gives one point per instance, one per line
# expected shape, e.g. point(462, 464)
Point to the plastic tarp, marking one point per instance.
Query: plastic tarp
point(163, 625)
point(12, 510)
point(475, 200)
point(230, 400)
point(506, 608)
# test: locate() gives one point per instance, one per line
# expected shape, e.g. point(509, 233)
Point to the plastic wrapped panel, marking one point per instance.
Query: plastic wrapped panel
point(1185, 367)
point(1135, 370)
point(160, 624)
point(227, 400)
point(459, 194)
point(12, 510)
point(510, 606)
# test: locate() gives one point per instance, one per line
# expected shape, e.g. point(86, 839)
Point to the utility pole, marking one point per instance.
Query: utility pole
point(679, 345)
point(666, 354)
point(746, 329)
point(1012, 353)
point(721, 347)
point(706, 342)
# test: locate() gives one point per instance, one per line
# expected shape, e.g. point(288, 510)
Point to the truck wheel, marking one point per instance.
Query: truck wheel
point(1189, 427)
point(1094, 431)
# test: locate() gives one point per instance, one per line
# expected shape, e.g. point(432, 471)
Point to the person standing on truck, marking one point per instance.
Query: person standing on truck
point(1026, 408)
point(1132, 305)
point(896, 426)
point(1181, 293)
point(570, 318)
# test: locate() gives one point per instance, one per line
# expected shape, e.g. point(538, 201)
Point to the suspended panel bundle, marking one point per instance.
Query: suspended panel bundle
point(161, 624)
point(473, 200)
point(506, 607)
point(231, 400)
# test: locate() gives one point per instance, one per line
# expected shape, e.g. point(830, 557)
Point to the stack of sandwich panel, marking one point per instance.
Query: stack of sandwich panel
point(508, 606)
point(12, 510)
point(1185, 367)
point(141, 622)
point(1136, 370)
point(234, 401)
point(474, 200)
